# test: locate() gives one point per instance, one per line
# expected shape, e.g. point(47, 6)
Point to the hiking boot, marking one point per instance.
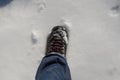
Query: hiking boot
point(57, 40)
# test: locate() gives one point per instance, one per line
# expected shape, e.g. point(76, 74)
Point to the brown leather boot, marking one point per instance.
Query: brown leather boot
point(57, 40)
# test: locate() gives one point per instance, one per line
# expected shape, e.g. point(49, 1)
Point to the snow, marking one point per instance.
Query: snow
point(115, 11)
point(93, 50)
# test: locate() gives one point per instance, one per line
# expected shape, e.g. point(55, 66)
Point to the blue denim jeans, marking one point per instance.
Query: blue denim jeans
point(53, 67)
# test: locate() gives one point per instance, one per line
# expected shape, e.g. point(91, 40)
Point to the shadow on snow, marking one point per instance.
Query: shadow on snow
point(3, 3)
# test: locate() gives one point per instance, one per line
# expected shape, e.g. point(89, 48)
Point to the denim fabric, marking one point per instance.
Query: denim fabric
point(53, 67)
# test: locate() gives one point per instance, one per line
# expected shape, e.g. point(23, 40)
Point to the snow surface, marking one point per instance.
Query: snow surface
point(94, 46)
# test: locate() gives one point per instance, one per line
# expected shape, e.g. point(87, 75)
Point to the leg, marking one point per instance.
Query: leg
point(53, 67)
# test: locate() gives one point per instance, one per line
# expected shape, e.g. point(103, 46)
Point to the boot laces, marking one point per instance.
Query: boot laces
point(57, 44)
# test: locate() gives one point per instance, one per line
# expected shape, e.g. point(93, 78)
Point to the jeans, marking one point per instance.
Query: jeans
point(53, 67)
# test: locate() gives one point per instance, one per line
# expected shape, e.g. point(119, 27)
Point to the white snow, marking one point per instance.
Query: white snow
point(115, 11)
point(93, 51)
